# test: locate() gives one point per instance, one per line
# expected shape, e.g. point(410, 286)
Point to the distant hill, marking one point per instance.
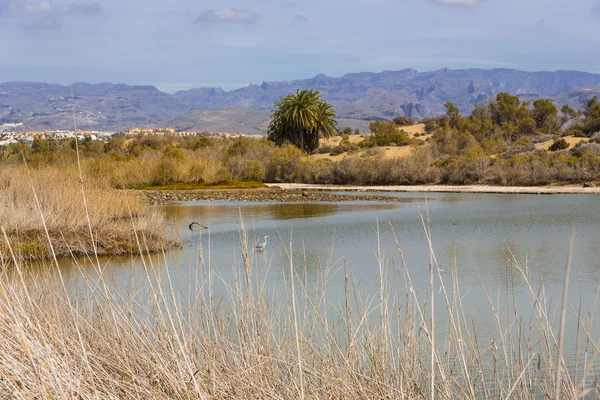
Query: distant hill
point(576, 98)
point(358, 99)
point(235, 119)
point(238, 119)
point(104, 105)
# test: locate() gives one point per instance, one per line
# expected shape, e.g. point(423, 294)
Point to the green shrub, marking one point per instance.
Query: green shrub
point(403, 121)
point(337, 150)
point(366, 143)
point(559, 144)
point(579, 133)
point(582, 148)
point(345, 140)
point(195, 142)
point(431, 124)
point(386, 134)
point(343, 149)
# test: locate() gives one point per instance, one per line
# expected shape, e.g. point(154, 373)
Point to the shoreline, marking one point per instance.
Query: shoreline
point(441, 188)
point(266, 195)
point(306, 193)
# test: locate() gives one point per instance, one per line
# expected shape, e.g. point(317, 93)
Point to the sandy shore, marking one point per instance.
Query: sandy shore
point(446, 189)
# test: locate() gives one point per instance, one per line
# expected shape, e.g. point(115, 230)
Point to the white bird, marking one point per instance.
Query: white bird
point(261, 246)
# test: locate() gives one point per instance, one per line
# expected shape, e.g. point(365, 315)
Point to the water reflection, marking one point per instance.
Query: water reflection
point(226, 211)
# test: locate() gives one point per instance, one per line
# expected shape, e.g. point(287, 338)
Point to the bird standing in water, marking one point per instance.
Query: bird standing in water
point(261, 246)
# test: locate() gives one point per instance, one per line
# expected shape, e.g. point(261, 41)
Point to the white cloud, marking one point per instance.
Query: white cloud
point(456, 2)
point(228, 15)
point(44, 15)
point(47, 8)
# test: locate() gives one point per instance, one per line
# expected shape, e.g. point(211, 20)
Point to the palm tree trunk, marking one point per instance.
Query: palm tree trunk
point(301, 137)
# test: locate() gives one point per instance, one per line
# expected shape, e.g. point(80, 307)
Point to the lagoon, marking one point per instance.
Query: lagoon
point(489, 240)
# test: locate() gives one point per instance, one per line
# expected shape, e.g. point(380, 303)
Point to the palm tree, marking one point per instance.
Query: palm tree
point(302, 118)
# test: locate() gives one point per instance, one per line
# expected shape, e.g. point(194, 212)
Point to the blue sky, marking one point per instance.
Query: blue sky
point(183, 43)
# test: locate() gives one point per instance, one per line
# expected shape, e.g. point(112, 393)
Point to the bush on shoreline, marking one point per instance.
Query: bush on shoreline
point(448, 160)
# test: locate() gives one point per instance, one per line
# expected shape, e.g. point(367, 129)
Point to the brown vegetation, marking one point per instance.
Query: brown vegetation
point(50, 200)
point(448, 158)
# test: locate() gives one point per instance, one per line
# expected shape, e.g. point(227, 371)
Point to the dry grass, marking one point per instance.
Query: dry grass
point(384, 152)
point(355, 139)
point(571, 140)
point(335, 141)
point(245, 341)
point(53, 196)
point(412, 129)
point(388, 153)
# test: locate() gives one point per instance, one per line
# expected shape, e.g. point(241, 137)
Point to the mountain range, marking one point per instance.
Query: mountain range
point(358, 98)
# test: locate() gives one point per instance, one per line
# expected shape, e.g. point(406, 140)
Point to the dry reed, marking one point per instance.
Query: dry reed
point(60, 203)
point(242, 340)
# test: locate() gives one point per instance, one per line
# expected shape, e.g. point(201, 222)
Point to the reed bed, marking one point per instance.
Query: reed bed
point(51, 200)
point(238, 338)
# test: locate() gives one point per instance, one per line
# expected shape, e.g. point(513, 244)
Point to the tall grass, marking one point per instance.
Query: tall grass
point(54, 194)
point(240, 339)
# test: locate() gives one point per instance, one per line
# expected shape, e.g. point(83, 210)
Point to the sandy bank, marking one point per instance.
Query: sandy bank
point(446, 189)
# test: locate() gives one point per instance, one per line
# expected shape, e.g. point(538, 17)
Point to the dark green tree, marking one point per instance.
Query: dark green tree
point(545, 115)
point(40, 146)
point(592, 116)
point(453, 114)
point(567, 113)
point(506, 109)
point(590, 105)
point(431, 124)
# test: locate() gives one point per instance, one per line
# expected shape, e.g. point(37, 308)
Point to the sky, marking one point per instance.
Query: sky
point(181, 44)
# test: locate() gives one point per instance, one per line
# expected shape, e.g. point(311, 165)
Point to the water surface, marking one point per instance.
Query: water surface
point(483, 236)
